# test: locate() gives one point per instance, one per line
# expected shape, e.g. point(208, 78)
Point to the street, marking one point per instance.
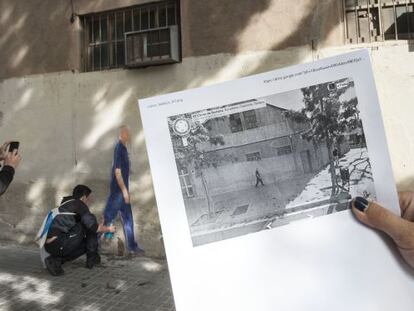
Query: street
point(272, 205)
point(117, 284)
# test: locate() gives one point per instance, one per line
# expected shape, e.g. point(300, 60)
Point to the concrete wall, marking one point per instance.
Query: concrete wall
point(241, 175)
point(233, 26)
point(67, 122)
point(37, 36)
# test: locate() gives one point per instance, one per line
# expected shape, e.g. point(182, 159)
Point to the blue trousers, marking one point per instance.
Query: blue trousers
point(116, 205)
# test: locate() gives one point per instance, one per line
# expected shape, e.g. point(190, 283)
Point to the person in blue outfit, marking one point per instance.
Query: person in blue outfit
point(119, 200)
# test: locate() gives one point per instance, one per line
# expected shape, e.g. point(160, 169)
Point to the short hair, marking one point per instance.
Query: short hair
point(80, 191)
point(123, 127)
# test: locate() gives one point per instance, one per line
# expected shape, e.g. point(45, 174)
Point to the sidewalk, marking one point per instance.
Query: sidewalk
point(320, 187)
point(251, 204)
point(118, 284)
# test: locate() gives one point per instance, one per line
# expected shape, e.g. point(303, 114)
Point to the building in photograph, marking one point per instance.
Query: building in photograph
point(263, 139)
point(253, 165)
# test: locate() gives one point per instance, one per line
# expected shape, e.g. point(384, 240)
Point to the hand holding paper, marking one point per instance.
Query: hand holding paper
point(314, 133)
point(400, 229)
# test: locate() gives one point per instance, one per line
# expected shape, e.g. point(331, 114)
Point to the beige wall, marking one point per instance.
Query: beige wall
point(216, 26)
point(67, 122)
point(37, 36)
point(82, 7)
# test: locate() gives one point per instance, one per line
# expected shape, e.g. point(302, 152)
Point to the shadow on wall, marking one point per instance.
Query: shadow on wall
point(28, 44)
point(93, 110)
point(82, 116)
point(73, 145)
point(71, 140)
point(251, 26)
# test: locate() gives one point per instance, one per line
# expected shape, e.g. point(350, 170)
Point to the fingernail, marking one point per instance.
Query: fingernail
point(360, 203)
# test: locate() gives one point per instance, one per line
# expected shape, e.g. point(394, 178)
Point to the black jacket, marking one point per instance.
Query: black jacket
point(63, 224)
point(6, 177)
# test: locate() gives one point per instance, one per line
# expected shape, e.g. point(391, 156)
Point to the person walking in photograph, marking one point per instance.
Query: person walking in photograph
point(258, 178)
point(118, 201)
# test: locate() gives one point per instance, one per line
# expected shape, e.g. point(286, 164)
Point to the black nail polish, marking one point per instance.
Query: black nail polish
point(360, 203)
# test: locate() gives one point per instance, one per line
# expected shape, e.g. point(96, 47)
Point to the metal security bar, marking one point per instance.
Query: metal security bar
point(104, 32)
point(378, 20)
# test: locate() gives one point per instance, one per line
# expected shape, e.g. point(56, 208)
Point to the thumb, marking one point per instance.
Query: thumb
point(378, 217)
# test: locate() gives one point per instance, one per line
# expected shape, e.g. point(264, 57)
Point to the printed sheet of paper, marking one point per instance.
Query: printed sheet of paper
point(253, 180)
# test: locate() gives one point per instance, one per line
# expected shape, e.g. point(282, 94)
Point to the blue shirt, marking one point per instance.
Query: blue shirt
point(121, 161)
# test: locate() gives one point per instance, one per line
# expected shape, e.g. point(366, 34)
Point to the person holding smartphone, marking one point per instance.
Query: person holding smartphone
point(11, 158)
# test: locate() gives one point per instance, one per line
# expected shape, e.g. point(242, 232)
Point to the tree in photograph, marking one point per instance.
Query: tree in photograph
point(349, 119)
point(188, 152)
point(326, 114)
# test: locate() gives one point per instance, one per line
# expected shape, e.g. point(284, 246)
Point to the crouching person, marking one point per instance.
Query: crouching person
point(73, 232)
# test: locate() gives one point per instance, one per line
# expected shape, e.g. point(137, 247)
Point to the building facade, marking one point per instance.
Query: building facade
point(263, 139)
point(72, 72)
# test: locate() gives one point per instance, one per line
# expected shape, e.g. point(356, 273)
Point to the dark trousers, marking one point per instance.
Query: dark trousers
point(69, 246)
point(116, 205)
point(259, 180)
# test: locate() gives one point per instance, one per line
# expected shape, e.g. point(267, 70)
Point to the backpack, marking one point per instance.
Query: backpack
point(44, 229)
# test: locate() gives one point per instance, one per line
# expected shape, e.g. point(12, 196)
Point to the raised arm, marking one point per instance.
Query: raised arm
point(11, 161)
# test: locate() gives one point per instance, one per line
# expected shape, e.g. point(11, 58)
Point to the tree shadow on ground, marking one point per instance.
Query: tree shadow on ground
point(26, 285)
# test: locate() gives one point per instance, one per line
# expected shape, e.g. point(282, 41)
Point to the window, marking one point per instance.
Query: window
point(250, 119)
point(235, 123)
point(104, 33)
point(185, 181)
point(378, 20)
point(243, 121)
point(284, 150)
point(255, 156)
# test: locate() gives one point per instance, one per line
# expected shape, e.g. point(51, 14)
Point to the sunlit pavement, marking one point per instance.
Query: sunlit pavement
point(118, 284)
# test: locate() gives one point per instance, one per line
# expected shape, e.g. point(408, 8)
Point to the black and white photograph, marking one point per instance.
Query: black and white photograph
point(267, 162)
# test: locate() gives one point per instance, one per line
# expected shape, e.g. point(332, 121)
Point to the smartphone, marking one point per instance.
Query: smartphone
point(13, 146)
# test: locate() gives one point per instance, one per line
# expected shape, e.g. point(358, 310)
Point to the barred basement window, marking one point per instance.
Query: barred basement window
point(235, 123)
point(378, 20)
point(250, 119)
point(284, 150)
point(104, 33)
point(255, 156)
point(243, 121)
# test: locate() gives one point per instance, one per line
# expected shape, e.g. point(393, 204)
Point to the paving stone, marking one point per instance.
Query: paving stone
point(118, 284)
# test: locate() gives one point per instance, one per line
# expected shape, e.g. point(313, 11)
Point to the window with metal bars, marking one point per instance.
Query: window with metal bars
point(236, 123)
point(250, 119)
point(104, 33)
point(284, 150)
point(378, 20)
point(254, 156)
point(243, 121)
